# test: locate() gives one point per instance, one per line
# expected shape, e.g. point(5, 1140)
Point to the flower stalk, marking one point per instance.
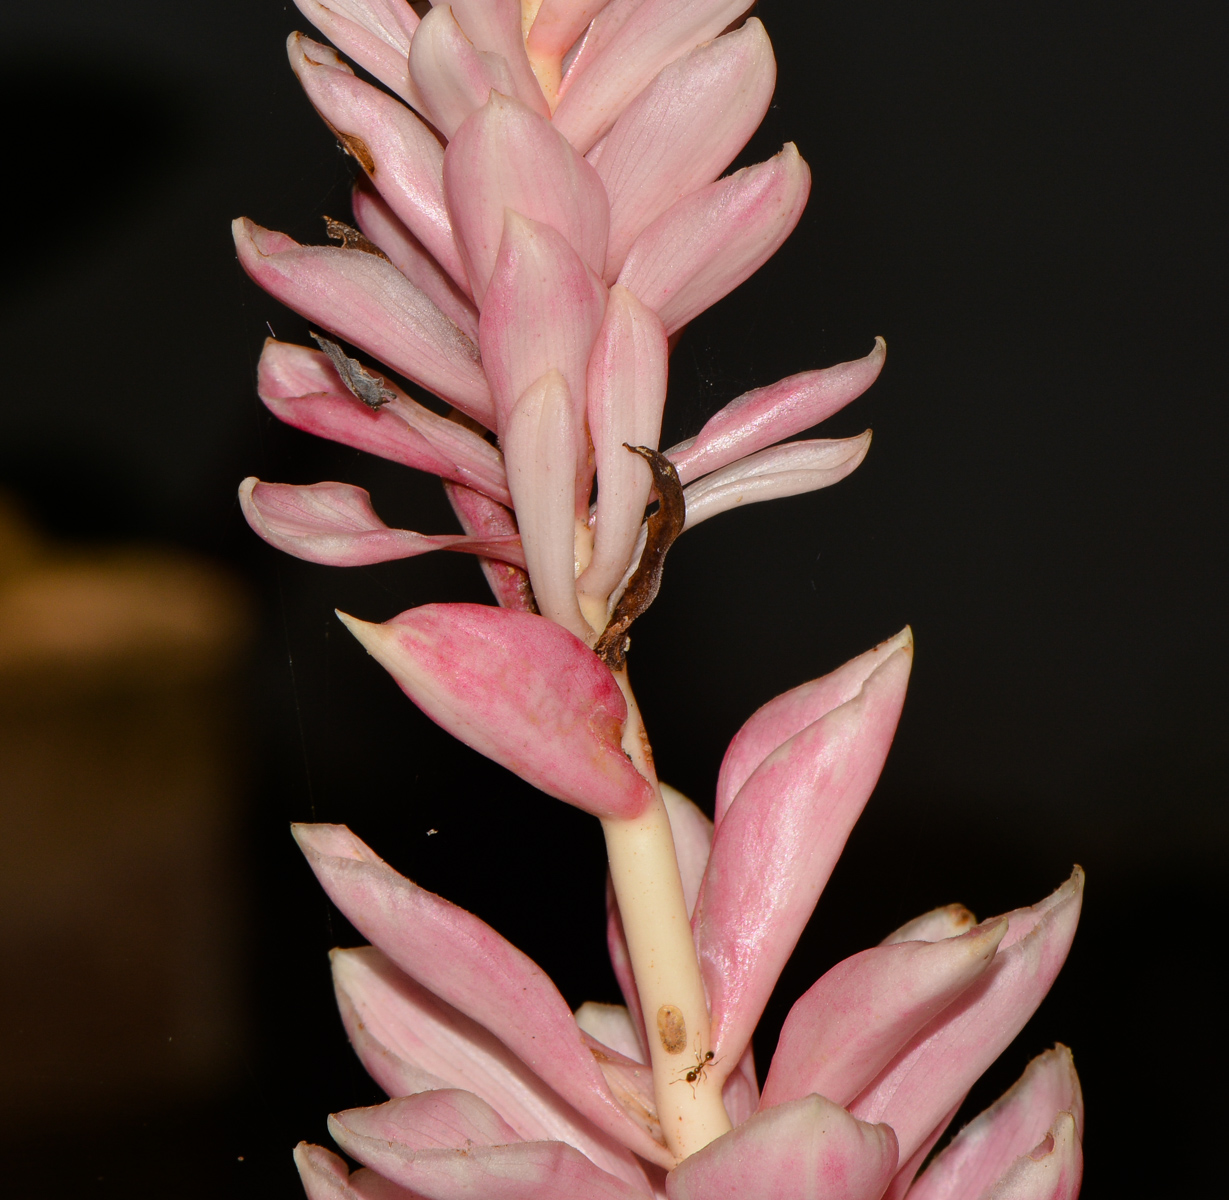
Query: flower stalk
point(644, 871)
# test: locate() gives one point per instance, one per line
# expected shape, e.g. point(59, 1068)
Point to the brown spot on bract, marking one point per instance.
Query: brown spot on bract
point(357, 148)
point(351, 238)
point(672, 1029)
point(961, 917)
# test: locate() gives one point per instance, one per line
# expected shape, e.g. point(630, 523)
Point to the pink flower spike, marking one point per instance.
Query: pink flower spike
point(703, 247)
point(382, 227)
point(326, 1177)
point(777, 844)
point(627, 392)
point(772, 725)
point(787, 470)
point(519, 1171)
point(506, 156)
point(453, 78)
point(334, 524)
point(759, 418)
point(410, 1041)
point(947, 1056)
point(683, 130)
point(400, 154)
point(375, 33)
point(798, 1151)
point(519, 689)
point(986, 1148)
point(542, 312)
point(300, 386)
point(853, 1022)
point(539, 441)
point(644, 39)
point(465, 963)
point(370, 304)
point(495, 26)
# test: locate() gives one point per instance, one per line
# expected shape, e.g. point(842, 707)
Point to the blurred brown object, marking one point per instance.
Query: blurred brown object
point(117, 790)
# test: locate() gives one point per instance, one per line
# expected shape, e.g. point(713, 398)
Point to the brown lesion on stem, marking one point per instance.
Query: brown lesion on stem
point(664, 527)
point(364, 386)
point(351, 238)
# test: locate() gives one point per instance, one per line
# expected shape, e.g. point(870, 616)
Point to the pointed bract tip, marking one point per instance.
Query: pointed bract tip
point(998, 927)
point(518, 227)
point(317, 1165)
point(900, 641)
point(1073, 885)
point(251, 238)
point(896, 653)
point(891, 674)
point(328, 841)
point(305, 51)
point(369, 634)
point(985, 939)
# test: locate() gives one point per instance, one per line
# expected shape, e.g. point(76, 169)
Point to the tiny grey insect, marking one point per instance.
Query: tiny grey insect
point(366, 387)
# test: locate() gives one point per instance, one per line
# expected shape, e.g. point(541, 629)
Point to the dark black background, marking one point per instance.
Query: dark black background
point(1023, 199)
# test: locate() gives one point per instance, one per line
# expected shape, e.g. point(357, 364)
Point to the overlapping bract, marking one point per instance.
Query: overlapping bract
point(530, 231)
point(499, 1091)
point(520, 689)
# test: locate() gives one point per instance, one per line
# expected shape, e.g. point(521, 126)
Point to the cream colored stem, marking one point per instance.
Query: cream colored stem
point(645, 872)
